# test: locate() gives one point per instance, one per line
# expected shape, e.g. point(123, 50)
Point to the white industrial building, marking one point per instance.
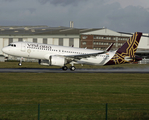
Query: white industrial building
point(38, 34)
point(63, 36)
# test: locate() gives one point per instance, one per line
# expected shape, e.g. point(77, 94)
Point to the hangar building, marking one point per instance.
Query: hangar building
point(96, 38)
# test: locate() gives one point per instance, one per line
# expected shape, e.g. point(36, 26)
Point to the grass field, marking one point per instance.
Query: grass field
point(70, 95)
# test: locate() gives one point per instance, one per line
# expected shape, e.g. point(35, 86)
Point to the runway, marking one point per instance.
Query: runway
point(58, 70)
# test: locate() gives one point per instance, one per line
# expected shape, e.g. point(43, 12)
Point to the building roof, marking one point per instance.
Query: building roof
point(42, 30)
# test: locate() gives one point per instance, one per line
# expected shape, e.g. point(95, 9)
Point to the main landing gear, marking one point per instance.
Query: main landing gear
point(72, 68)
point(65, 68)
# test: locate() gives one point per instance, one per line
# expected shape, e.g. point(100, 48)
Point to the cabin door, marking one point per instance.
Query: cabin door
point(23, 47)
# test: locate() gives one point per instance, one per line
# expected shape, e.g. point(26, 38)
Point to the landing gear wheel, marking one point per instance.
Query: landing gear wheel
point(65, 68)
point(72, 68)
point(19, 64)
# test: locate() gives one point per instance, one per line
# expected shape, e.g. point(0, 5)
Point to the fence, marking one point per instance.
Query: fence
point(75, 111)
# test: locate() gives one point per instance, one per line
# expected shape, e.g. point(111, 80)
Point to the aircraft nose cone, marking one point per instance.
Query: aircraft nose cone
point(4, 50)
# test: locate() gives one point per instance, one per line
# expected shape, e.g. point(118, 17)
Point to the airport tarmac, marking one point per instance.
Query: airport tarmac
point(58, 70)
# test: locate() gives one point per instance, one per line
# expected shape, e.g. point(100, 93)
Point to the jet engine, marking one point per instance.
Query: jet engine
point(54, 60)
point(57, 60)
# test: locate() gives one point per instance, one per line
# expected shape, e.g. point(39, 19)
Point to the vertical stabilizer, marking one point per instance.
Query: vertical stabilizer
point(126, 51)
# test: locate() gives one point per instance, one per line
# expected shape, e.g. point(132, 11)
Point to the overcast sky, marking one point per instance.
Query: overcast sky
point(117, 15)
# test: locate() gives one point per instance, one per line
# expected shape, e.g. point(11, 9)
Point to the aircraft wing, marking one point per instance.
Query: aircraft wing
point(83, 55)
point(78, 57)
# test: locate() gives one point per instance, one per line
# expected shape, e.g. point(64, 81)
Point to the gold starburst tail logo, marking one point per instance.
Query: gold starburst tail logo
point(128, 49)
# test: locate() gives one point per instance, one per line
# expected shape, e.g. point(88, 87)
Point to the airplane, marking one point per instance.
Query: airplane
point(61, 55)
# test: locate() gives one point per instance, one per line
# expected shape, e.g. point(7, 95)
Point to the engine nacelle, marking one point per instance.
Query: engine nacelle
point(53, 60)
point(57, 60)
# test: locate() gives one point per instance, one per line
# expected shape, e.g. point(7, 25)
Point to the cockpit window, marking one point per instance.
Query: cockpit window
point(13, 45)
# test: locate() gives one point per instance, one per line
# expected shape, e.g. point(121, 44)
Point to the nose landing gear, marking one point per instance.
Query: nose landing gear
point(19, 64)
point(20, 61)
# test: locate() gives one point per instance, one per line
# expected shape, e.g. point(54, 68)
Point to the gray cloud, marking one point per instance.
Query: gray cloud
point(32, 10)
point(129, 19)
point(8, 0)
point(62, 2)
point(84, 13)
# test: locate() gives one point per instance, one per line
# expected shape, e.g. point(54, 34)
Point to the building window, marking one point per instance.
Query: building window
point(61, 41)
point(113, 38)
point(34, 40)
point(20, 39)
point(44, 40)
point(10, 40)
point(71, 42)
point(84, 37)
point(84, 43)
point(96, 37)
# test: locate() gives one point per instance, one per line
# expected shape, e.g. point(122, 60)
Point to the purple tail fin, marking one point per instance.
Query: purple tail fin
point(126, 51)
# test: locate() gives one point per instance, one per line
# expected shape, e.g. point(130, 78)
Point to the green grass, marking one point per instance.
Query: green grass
point(73, 95)
point(34, 88)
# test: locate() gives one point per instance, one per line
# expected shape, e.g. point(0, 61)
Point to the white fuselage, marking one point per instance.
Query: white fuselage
point(44, 51)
